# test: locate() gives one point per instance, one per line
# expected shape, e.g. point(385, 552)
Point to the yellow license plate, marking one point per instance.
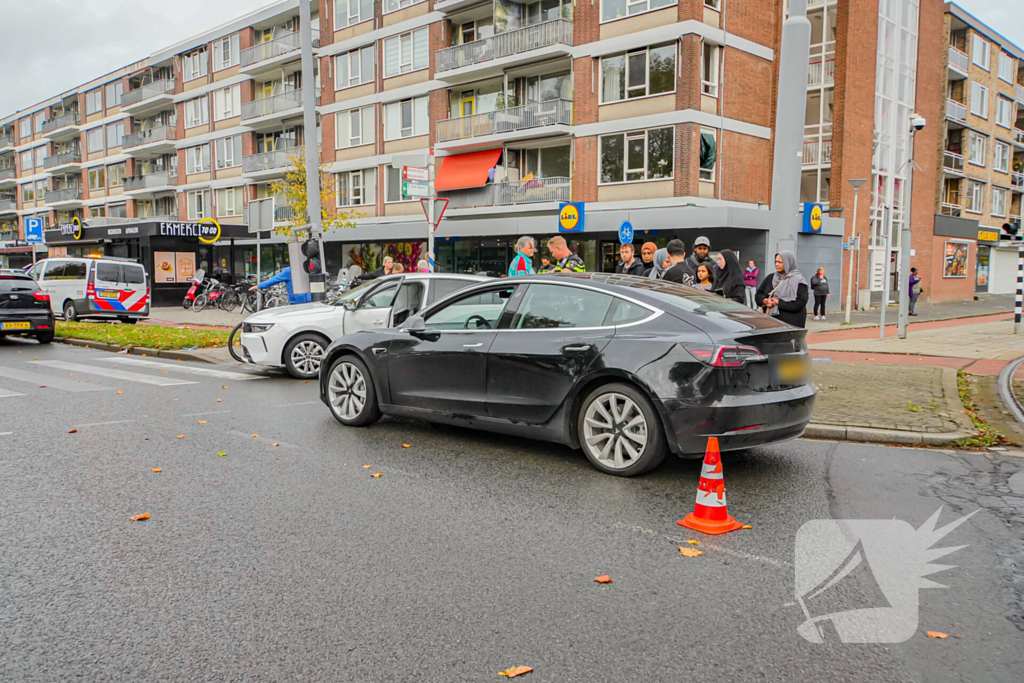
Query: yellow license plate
point(15, 326)
point(792, 370)
point(108, 295)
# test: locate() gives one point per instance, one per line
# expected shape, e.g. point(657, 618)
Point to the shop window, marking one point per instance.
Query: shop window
point(640, 155)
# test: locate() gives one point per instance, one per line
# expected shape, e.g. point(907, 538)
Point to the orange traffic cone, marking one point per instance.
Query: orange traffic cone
point(710, 515)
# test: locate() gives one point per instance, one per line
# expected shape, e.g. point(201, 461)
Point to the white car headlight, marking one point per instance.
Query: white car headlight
point(256, 327)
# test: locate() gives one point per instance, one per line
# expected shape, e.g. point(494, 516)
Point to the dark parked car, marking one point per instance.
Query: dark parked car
point(24, 308)
point(625, 368)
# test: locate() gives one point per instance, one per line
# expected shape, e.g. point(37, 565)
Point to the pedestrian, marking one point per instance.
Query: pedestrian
point(658, 264)
point(701, 254)
point(647, 252)
point(545, 265)
point(422, 266)
point(522, 263)
point(729, 281)
point(676, 268)
point(784, 293)
point(568, 261)
point(398, 269)
point(285, 276)
point(629, 265)
point(750, 283)
point(819, 285)
point(705, 278)
point(386, 268)
point(915, 289)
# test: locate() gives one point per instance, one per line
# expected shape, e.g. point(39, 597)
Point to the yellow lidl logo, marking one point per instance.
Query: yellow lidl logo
point(570, 217)
point(812, 217)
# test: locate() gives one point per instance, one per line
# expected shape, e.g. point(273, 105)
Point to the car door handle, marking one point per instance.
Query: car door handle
point(379, 350)
point(575, 349)
point(472, 346)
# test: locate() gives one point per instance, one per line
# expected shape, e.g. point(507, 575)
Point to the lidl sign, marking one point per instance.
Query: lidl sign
point(812, 217)
point(571, 217)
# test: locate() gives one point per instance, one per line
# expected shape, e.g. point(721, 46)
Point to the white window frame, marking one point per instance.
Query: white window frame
point(119, 138)
point(28, 192)
point(976, 143)
point(343, 138)
point(1001, 152)
point(197, 107)
point(118, 90)
point(709, 84)
point(90, 102)
point(626, 170)
point(37, 121)
point(25, 128)
point(39, 155)
point(197, 159)
point(388, 172)
point(351, 177)
point(229, 44)
point(632, 3)
point(30, 155)
point(707, 174)
point(40, 190)
point(102, 137)
point(398, 4)
point(975, 191)
point(202, 196)
point(981, 98)
point(194, 65)
point(986, 52)
point(118, 176)
point(230, 195)
point(1006, 68)
point(225, 148)
point(227, 102)
point(352, 14)
point(420, 124)
point(646, 51)
point(99, 173)
point(713, 4)
point(355, 76)
point(410, 37)
point(999, 192)
point(1002, 104)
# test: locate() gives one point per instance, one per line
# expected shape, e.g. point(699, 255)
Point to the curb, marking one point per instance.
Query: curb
point(136, 350)
point(882, 436)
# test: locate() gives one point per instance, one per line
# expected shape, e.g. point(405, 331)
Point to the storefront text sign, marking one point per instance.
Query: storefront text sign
point(206, 230)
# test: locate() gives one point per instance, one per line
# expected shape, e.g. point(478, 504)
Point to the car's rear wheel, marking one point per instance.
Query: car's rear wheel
point(128, 321)
point(350, 393)
point(44, 337)
point(70, 312)
point(620, 432)
point(304, 354)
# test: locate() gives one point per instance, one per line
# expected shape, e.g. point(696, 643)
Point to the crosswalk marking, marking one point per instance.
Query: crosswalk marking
point(185, 369)
point(38, 378)
point(7, 393)
point(161, 381)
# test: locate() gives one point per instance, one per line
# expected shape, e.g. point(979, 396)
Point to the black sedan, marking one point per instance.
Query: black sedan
point(625, 368)
point(24, 308)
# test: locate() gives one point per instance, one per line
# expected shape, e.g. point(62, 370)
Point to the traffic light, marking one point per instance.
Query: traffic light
point(1011, 229)
point(311, 250)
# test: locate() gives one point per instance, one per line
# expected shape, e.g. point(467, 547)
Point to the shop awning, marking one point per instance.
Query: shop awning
point(15, 250)
point(460, 171)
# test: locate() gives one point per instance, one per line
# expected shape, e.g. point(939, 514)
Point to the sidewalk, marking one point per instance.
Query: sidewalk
point(987, 304)
point(210, 317)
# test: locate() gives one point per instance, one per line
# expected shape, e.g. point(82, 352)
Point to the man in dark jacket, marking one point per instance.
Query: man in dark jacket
point(677, 265)
point(701, 254)
point(629, 265)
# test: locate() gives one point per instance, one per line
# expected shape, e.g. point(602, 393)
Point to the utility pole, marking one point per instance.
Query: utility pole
point(917, 123)
point(316, 283)
point(430, 211)
point(888, 264)
point(854, 239)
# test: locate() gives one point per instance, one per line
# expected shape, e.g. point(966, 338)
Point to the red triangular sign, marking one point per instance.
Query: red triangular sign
point(439, 207)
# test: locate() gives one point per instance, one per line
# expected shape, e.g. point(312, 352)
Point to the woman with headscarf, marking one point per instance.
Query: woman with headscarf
point(784, 293)
point(729, 279)
point(658, 265)
point(647, 252)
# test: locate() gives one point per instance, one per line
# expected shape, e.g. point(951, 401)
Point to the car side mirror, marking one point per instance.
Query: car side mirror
point(350, 305)
point(415, 325)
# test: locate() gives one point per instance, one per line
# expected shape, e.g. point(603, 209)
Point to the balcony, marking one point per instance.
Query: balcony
point(953, 163)
point(268, 112)
point(1018, 136)
point(512, 193)
point(8, 204)
point(959, 64)
point(68, 194)
point(543, 35)
point(7, 176)
point(821, 72)
point(951, 210)
point(148, 98)
point(1017, 181)
point(268, 56)
point(62, 159)
point(150, 143)
point(6, 141)
point(277, 160)
point(283, 213)
point(151, 181)
point(817, 152)
point(501, 121)
point(1020, 97)
point(61, 127)
point(956, 111)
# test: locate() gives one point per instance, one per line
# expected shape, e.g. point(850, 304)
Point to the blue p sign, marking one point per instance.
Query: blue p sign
point(34, 229)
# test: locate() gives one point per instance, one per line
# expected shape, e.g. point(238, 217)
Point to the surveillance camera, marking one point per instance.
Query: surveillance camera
point(917, 122)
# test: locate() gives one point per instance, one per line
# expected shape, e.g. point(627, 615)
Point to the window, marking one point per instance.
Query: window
point(617, 9)
point(973, 199)
point(555, 306)
point(351, 12)
point(709, 70)
point(54, 270)
point(998, 201)
point(354, 128)
point(194, 65)
point(393, 186)
point(99, 212)
point(26, 162)
point(133, 275)
point(649, 71)
point(1001, 157)
point(355, 188)
point(97, 179)
point(979, 100)
point(25, 128)
point(380, 297)
point(198, 204)
point(197, 159)
point(353, 68)
point(229, 152)
point(93, 101)
point(406, 52)
point(713, 4)
point(708, 153)
point(1006, 67)
point(40, 153)
point(94, 140)
point(28, 193)
point(476, 312)
point(408, 302)
point(197, 112)
point(40, 190)
point(225, 52)
point(118, 211)
point(394, 5)
point(114, 93)
point(229, 201)
point(115, 175)
point(976, 148)
point(640, 155)
point(227, 103)
point(37, 121)
point(406, 119)
point(981, 52)
point(1004, 112)
point(115, 132)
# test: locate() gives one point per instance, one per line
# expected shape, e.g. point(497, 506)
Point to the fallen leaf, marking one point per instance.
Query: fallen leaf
point(221, 453)
point(42, 386)
point(181, 436)
point(174, 399)
point(254, 435)
point(694, 542)
point(163, 372)
point(746, 526)
point(139, 518)
point(71, 374)
point(35, 358)
point(202, 422)
point(376, 476)
point(937, 634)
point(274, 444)
point(405, 445)
point(306, 381)
point(604, 579)
point(689, 552)
point(72, 431)
point(223, 386)
point(366, 467)
point(157, 469)
point(514, 671)
point(218, 400)
point(120, 391)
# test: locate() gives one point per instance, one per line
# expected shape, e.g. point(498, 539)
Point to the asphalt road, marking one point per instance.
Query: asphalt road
point(285, 560)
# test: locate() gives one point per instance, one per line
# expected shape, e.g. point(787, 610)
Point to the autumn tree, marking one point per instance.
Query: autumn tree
point(292, 189)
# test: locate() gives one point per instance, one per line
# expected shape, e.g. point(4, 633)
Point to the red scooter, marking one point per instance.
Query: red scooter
point(193, 291)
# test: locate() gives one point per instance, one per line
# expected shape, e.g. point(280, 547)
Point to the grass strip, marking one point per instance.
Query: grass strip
point(149, 336)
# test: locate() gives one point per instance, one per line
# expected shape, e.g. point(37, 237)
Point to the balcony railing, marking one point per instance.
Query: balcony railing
point(6, 141)
point(1018, 136)
point(1017, 180)
point(822, 72)
point(817, 152)
point(163, 87)
point(144, 137)
point(504, 44)
point(554, 189)
point(59, 122)
point(534, 115)
point(289, 42)
point(8, 173)
point(951, 161)
point(66, 195)
point(283, 213)
point(1020, 98)
point(55, 160)
point(956, 110)
point(158, 179)
point(266, 161)
point(272, 105)
point(8, 204)
point(951, 210)
point(958, 60)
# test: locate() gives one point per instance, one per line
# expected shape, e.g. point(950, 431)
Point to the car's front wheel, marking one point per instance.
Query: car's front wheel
point(303, 356)
point(350, 392)
point(620, 432)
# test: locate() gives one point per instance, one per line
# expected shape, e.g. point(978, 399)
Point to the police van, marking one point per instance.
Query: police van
point(102, 287)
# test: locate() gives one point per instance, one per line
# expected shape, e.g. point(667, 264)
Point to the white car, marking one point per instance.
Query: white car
point(295, 337)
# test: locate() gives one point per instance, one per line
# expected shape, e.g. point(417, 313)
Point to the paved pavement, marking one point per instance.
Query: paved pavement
point(986, 304)
point(472, 553)
point(176, 315)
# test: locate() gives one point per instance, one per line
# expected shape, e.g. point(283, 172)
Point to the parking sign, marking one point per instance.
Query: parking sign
point(34, 230)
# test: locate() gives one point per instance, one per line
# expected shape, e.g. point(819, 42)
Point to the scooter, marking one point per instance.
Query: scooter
point(193, 291)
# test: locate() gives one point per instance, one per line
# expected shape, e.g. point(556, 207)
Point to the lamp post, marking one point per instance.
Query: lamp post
point(917, 124)
point(854, 239)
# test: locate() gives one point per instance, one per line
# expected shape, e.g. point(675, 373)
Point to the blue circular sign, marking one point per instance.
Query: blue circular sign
point(626, 233)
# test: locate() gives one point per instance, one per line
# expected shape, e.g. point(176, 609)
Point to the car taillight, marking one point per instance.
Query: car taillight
point(41, 296)
point(727, 356)
point(90, 290)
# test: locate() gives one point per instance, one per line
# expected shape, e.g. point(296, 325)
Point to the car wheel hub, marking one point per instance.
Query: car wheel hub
point(346, 390)
point(615, 430)
point(307, 356)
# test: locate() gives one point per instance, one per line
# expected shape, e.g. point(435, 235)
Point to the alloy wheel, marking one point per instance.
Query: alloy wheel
point(347, 391)
point(615, 430)
point(307, 356)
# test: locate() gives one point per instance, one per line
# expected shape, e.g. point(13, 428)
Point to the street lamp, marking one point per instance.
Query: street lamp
point(854, 239)
point(917, 124)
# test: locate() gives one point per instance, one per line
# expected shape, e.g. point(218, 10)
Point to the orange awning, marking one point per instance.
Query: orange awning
point(460, 171)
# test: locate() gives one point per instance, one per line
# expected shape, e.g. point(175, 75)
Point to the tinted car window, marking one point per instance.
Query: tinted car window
point(17, 284)
point(107, 272)
point(75, 270)
point(380, 298)
point(36, 271)
point(688, 298)
point(408, 301)
point(444, 287)
point(134, 275)
point(477, 312)
point(553, 306)
point(54, 270)
point(623, 312)
point(353, 294)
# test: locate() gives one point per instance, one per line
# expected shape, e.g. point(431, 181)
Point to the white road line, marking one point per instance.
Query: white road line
point(304, 403)
point(185, 369)
point(208, 412)
point(6, 433)
point(111, 373)
point(728, 551)
point(6, 393)
point(60, 383)
point(100, 424)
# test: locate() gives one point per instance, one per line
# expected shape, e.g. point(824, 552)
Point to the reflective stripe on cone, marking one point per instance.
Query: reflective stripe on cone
point(710, 514)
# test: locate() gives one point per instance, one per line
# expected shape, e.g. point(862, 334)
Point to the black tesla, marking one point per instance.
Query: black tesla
point(625, 368)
